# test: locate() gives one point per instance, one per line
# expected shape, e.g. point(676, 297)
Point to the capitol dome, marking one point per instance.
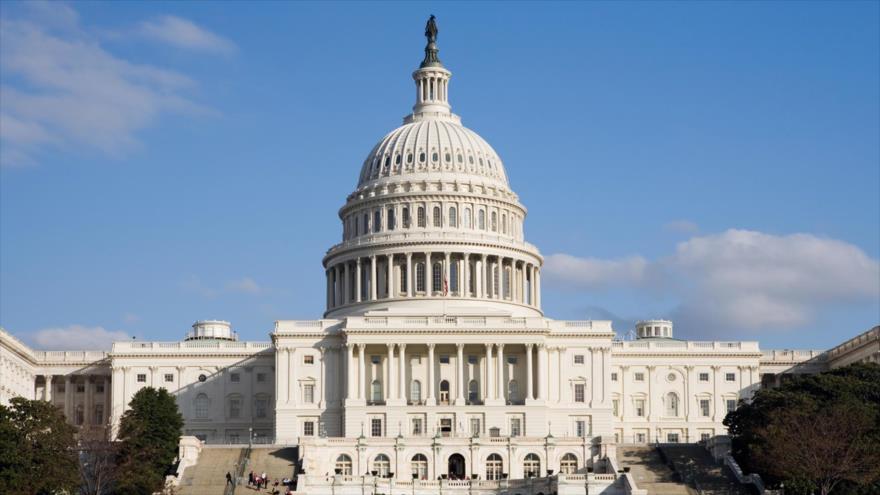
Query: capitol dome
point(432, 226)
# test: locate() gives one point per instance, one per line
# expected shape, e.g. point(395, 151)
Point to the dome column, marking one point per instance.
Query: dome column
point(389, 284)
point(409, 275)
point(373, 289)
point(346, 293)
point(464, 285)
point(537, 287)
point(357, 281)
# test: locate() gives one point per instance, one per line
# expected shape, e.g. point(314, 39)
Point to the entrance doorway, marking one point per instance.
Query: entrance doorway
point(456, 467)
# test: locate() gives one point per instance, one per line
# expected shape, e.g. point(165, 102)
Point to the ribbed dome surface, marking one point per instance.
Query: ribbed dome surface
point(431, 148)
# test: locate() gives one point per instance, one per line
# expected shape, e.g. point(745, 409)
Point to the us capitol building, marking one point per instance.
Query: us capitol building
point(434, 356)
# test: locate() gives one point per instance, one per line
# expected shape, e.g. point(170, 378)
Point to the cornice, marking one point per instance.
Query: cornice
point(340, 250)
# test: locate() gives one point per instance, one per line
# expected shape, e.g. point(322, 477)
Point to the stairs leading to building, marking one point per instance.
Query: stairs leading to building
point(277, 462)
point(650, 472)
point(697, 465)
point(208, 476)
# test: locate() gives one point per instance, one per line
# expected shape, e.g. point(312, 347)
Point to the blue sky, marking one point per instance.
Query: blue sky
point(716, 163)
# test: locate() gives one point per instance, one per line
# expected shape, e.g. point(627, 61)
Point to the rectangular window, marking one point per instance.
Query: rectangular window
point(704, 437)
point(475, 427)
point(639, 377)
point(640, 408)
point(142, 378)
point(446, 427)
point(444, 359)
point(615, 407)
point(704, 407)
point(261, 377)
point(309, 393)
point(308, 428)
point(308, 359)
point(704, 377)
point(731, 405)
point(261, 407)
point(375, 359)
point(80, 387)
point(511, 359)
point(578, 359)
point(515, 427)
point(613, 377)
point(731, 377)
point(472, 359)
point(99, 414)
point(672, 437)
point(376, 427)
point(234, 377)
point(234, 408)
point(578, 392)
point(417, 427)
point(405, 216)
point(640, 438)
point(169, 377)
point(580, 428)
point(99, 388)
point(60, 388)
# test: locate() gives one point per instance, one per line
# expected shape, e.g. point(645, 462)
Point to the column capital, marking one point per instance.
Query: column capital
point(651, 367)
point(401, 346)
point(361, 346)
point(358, 261)
point(390, 345)
point(529, 346)
point(431, 345)
point(459, 345)
point(500, 345)
point(624, 367)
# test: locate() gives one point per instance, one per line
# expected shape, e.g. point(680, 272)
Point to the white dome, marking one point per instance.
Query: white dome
point(432, 148)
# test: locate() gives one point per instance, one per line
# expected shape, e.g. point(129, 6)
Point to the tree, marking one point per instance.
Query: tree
point(149, 433)
point(37, 449)
point(97, 466)
point(819, 432)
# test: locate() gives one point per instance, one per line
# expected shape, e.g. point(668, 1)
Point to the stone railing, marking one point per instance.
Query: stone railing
point(431, 235)
point(201, 345)
point(789, 355)
point(69, 356)
point(855, 342)
point(640, 345)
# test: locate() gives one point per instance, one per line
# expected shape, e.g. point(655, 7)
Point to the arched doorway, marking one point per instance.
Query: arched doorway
point(456, 467)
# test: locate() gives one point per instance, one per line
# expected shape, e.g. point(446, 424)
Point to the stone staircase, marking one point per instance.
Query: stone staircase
point(208, 476)
point(698, 467)
point(649, 471)
point(276, 461)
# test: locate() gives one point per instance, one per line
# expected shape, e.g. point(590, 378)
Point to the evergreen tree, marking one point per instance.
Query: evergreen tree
point(37, 449)
point(149, 433)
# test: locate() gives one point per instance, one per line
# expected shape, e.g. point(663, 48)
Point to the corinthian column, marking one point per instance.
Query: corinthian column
point(362, 371)
point(357, 281)
point(459, 399)
point(529, 371)
point(389, 279)
point(373, 278)
point(389, 365)
point(542, 372)
point(501, 384)
point(349, 371)
point(401, 365)
point(430, 396)
point(489, 381)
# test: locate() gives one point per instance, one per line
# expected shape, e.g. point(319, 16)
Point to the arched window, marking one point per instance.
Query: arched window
point(366, 229)
point(473, 392)
point(506, 282)
point(437, 220)
point(481, 220)
point(495, 280)
point(472, 283)
point(419, 464)
point(202, 404)
point(466, 219)
point(403, 278)
point(532, 466)
point(503, 224)
point(390, 218)
point(376, 391)
point(437, 277)
point(512, 390)
point(79, 416)
point(421, 215)
point(494, 467)
point(377, 221)
point(405, 213)
point(453, 277)
point(444, 392)
point(382, 465)
point(568, 464)
point(415, 392)
point(420, 277)
point(453, 217)
point(494, 222)
point(357, 225)
point(343, 465)
point(671, 404)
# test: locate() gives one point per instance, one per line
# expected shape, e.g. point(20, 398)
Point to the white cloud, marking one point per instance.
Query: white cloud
point(75, 337)
point(186, 34)
point(62, 88)
point(594, 273)
point(245, 284)
point(681, 227)
point(738, 279)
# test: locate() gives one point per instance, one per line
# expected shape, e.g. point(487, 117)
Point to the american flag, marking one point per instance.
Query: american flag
point(445, 287)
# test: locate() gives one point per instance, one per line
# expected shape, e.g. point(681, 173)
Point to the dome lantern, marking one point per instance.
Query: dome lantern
point(432, 82)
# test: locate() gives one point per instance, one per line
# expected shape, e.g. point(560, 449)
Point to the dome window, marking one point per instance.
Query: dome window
point(397, 160)
point(421, 216)
point(453, 217)
point(387, 162)
point(471, 160)
point(459, 159)
point(420, 277)
point(422, 157)
point(481, 162)
point(405, 215)
point(437, 217)
point(434, 157)
point(448, 157)
point(409, 158)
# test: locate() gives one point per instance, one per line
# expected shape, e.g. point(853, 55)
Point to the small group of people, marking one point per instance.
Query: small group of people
point(262, 481)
